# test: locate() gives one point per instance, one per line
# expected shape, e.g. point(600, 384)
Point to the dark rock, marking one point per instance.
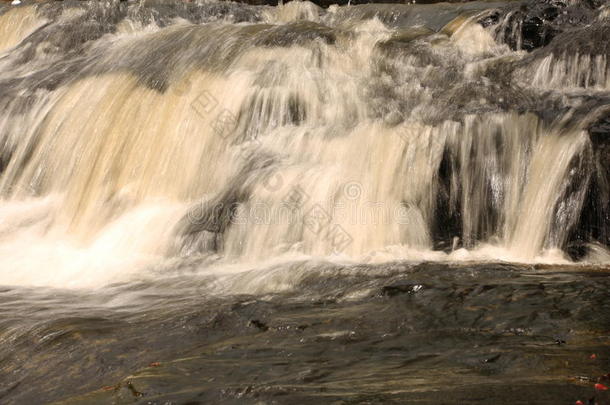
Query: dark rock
point(534, 24)
point(259, 325)
point(399, 289)
point(594, 222)
point(447, 223)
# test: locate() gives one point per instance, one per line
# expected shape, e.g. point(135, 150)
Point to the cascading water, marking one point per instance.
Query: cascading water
point(247, 146)
point(242, 117)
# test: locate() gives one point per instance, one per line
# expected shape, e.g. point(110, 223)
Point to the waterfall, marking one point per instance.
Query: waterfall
point(132, 134)
point(16, 25)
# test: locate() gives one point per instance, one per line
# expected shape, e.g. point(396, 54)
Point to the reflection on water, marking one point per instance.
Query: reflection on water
point(387, 333)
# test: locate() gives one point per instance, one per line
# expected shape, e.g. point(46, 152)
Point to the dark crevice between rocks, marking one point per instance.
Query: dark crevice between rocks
point(593, 225)
point(447, 224)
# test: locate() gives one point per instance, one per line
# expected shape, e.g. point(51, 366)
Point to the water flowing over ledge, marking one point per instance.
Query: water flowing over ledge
point(407, 131)
point(305, 202)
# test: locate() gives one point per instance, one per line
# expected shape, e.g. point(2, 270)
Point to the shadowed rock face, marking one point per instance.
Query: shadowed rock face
point(596, 212)
point(534, 24)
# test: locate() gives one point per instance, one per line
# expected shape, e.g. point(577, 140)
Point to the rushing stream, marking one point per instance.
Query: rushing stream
point(214, 202)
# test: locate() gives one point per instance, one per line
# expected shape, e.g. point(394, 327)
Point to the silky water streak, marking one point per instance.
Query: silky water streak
point(301, 134)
